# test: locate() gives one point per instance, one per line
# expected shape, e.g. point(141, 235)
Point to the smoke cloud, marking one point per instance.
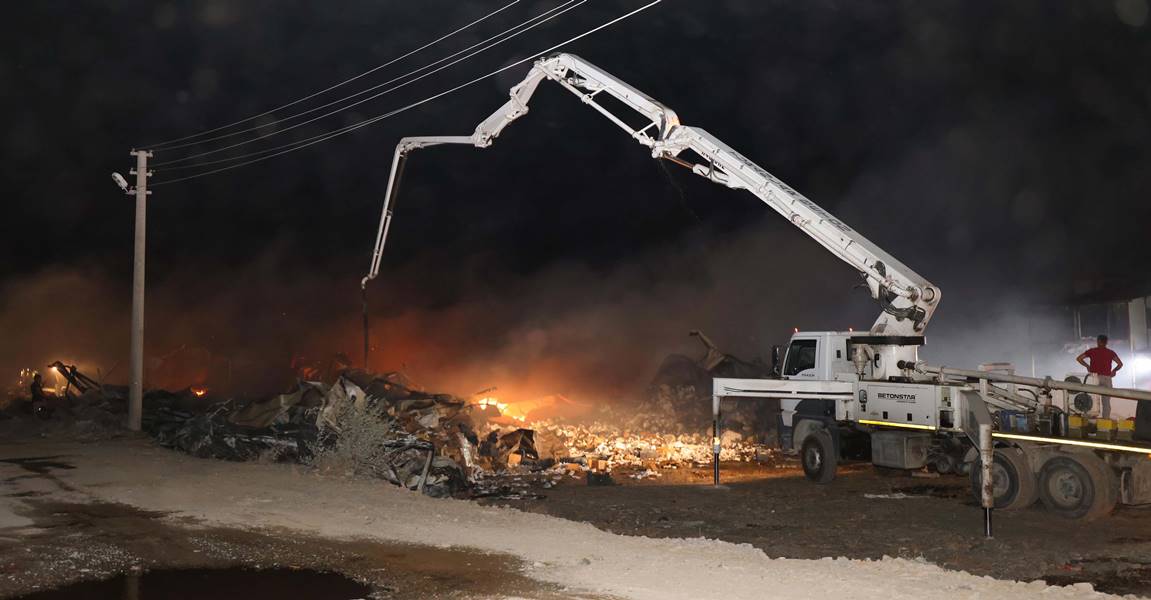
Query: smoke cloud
point(589, 334)
point(997, 149)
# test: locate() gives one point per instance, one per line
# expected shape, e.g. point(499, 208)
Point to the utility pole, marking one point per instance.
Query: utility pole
point(136, 389)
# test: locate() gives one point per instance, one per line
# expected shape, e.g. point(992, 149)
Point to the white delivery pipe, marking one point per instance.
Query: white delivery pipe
point(1046, 383)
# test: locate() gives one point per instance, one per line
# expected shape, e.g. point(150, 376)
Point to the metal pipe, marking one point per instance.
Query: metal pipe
point(1046, 383)
point(427, 467)
point(715, 441)
point(367, 325)
point(394, 179)
point(715, 456)
point(1013, 397)
point(987, 459)
point(987, 523)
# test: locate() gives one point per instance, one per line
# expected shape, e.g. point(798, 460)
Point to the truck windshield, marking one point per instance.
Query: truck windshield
point(800, 357)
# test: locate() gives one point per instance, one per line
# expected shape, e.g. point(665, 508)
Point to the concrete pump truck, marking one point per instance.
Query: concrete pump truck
point(1019, 438)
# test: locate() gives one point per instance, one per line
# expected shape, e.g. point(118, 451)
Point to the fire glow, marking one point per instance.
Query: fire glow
point(502, 409)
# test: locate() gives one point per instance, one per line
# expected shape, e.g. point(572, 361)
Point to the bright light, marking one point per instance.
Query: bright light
point(1141, 364)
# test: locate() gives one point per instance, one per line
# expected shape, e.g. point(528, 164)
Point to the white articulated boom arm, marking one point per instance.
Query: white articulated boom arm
point(908, 300)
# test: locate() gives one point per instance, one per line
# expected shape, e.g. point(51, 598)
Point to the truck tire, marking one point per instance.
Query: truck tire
point(1078, 486)
point(819, 457)
point(945, 463)
point(1013, 482)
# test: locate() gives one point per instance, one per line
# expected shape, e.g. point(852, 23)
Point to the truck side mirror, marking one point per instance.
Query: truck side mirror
point(775, 360)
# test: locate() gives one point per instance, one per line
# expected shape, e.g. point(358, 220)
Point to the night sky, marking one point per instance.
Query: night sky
point(1002, 149)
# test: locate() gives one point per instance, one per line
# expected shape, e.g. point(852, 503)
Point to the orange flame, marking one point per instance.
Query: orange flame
point(525, 410)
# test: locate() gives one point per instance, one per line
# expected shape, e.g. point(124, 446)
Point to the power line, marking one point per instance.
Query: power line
point(386, 115)
point(167, 143)
point(324, 137)
point(345, 98)
point(544, 16)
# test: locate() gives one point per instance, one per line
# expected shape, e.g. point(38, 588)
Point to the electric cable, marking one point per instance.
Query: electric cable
point(392, 113)
point(387, 91)
point(168, 143)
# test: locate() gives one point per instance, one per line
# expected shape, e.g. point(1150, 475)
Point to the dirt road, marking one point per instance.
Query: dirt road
point(80, 511)
point(864, 514)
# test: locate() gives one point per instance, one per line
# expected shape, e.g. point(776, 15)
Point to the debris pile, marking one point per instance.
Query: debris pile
point(686, 410)
point(597, 441)
point(679, 399)
point(381, 425)
point(377, 425)
point(279, 429)
point(363, 423)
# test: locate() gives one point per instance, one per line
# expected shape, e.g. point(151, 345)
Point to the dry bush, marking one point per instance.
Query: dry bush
point(366, 442)
point(354, 443)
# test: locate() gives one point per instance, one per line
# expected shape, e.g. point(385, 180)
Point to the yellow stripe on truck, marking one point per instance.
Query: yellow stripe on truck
point(890, 424)
point(1085, 443)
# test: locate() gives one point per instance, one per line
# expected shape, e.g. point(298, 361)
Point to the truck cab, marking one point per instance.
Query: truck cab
point(818, 355)
point(868, 364)
point(812, 356)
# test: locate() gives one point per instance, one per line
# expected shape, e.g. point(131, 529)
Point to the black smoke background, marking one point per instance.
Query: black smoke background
point(999, 148)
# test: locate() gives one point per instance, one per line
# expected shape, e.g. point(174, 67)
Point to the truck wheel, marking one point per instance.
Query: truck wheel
point(947, 463)
point(1078, 487)
point(1013, 483)
point(819, 457)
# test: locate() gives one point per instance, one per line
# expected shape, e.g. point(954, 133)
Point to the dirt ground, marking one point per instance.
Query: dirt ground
point(98, 540)
point(72, 512)
point(865, 514)
point(62, 542)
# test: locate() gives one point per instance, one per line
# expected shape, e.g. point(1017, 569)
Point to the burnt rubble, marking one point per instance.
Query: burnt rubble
point(363, 423)
point(381, 426)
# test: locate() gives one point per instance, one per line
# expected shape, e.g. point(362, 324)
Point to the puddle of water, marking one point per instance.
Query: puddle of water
point(218, 584)
point(393, 570)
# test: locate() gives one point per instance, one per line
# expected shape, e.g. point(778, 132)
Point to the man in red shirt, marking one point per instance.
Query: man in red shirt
point(1101, 358)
